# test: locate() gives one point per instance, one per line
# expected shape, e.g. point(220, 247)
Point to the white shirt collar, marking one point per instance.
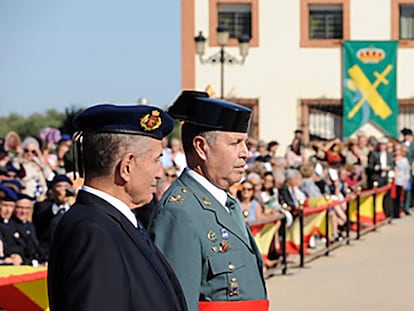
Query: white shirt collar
point(56, 208)
point(118, 204)
point(219, 194)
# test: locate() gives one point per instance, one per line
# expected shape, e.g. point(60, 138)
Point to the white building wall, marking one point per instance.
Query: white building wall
point(280, 73)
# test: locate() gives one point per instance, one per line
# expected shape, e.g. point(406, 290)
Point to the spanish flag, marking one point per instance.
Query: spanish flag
point(313, 222)
point(23, 288)
point(263, 235)
point(366, 209)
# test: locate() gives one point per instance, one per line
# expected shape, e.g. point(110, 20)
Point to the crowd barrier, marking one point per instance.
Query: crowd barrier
point(364, 213)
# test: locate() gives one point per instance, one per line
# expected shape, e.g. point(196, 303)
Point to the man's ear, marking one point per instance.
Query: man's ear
point(201, 146)
point(124, 167)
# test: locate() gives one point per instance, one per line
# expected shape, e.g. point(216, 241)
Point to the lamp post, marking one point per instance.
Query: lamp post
point(222, 57)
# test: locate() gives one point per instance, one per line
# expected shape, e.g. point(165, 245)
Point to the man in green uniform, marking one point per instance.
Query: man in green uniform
point(197, 225)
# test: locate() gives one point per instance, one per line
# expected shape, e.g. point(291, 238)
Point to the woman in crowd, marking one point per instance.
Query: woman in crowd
point(36, 169)
point(402, 177)
point(295, 154)
point(251, 208)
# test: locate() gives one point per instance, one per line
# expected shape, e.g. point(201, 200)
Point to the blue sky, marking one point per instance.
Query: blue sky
point(62, 53)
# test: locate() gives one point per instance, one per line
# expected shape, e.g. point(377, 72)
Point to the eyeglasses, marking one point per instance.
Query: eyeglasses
point(171, 175)
point(247, 189)
point(33, 151)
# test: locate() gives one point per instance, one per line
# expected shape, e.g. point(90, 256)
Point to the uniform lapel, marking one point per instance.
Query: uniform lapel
point(132, 232)
point(210, 203)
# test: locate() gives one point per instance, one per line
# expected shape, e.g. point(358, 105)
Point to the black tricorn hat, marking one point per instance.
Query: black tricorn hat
point(406, 131)
point(197, 108)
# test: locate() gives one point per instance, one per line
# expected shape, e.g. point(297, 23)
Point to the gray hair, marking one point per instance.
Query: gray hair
point(30, 140)
point(292, 173)
point(189, 131)
point(102, 151)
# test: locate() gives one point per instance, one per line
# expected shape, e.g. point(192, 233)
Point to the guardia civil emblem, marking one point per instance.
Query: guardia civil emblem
point(151, 122)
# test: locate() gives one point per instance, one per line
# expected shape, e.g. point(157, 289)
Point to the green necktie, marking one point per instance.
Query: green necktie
point(236, 214)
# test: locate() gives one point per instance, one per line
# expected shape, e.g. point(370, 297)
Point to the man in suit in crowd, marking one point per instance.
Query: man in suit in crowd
point(47, 214)
point(197, 224)
point(101, 257)
point(380, 163)
point(24, 208)
point(12, 244)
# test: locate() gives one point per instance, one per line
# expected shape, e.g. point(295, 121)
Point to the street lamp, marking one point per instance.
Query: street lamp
point(222, 57)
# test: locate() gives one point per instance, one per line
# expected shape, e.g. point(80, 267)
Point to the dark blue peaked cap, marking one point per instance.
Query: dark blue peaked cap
point(133, 120)
point(197, 108)
point(6, 194)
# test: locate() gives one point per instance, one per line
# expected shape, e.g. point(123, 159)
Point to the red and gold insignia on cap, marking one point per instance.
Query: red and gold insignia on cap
point(2, 194)
point(151, 122)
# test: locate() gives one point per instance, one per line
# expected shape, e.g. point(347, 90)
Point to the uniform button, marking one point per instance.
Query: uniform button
point(232, 267)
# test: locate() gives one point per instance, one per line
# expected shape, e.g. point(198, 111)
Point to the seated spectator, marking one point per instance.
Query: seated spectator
point(289, 193)
point(251, 208)
point(295, 155)
point(12, 144)
point(24, 209)
point(56, 159)
point(308, 185)
point(48, 213)
point(333, 152)
point(12, 243)
point(36, 169)
point(166, 160)
point(178, 156)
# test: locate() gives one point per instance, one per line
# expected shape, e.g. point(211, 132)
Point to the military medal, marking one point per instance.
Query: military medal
point(224, 234)
point(234, 287)
point(215, 249)
point(224, 247)
point(211, 235)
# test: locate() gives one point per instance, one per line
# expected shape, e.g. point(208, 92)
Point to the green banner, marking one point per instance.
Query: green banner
point(370, 88)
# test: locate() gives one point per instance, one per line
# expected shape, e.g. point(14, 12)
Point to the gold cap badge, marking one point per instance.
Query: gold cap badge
point(151, 122)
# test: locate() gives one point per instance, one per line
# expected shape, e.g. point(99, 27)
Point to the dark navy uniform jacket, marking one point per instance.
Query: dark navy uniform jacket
point(99, 261)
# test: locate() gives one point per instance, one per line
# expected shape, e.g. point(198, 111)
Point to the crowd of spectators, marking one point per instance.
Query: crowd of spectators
point(37, 184)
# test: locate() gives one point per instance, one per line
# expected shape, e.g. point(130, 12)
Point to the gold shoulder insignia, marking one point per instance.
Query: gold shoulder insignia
point(206, 202)
point(176, 199)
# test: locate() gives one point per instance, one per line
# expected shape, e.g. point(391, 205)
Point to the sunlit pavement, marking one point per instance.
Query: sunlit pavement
point(374, 273)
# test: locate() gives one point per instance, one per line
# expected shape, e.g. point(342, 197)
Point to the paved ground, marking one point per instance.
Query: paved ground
point(375, 273)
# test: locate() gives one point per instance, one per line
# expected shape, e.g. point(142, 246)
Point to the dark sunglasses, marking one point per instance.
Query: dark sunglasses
point(248, 189)
point(170, 175)
point(30, 150)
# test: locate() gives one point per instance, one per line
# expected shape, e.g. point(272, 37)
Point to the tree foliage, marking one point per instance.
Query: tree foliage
point(32, 124)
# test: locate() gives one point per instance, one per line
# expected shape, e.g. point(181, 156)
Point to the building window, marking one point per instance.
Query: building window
point(240, 16)
point(406, 21)
point(325, 23)
point(237, 18)
point(402, 22)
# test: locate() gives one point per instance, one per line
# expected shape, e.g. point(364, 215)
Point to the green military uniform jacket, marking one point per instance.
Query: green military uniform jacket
point(212, 258)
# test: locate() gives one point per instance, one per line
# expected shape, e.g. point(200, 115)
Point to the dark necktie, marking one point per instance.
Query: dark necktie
point(236, 214)
point(145, 235)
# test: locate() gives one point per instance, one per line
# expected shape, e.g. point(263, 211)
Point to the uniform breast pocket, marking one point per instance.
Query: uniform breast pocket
point(224, 271)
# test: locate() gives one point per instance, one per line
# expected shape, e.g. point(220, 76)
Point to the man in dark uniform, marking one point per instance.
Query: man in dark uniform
point(48, 213)
point(12, 244)
point(101, 258)
point(197, 224)
point(24, 208)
